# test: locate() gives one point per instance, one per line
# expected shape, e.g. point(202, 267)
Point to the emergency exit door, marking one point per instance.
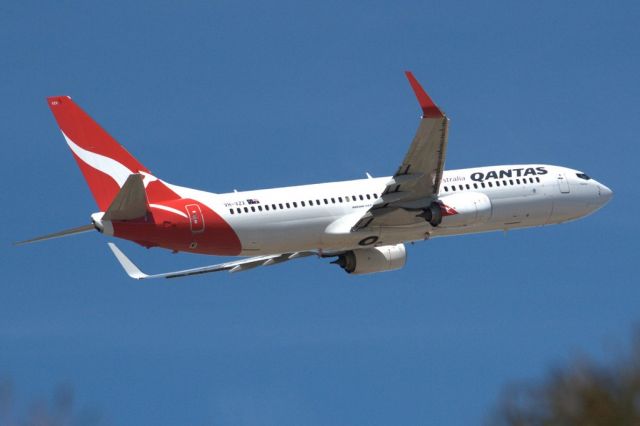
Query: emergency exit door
point(563, 183)
point(195, 218)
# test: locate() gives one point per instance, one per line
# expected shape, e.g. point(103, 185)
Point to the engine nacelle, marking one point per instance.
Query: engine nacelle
point(371, 260)
point(464, 209)
point(433, 214)
point(103, 226)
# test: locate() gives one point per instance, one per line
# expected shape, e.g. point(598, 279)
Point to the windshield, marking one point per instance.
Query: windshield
point(583, 176)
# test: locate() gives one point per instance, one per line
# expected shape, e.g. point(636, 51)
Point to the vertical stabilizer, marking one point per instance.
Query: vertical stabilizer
point(105, 164)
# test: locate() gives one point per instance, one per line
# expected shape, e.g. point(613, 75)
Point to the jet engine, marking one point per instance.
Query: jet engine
point(433, 214)
point(371, 260)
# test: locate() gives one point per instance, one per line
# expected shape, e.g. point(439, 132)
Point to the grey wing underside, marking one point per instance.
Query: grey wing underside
point(417, 181)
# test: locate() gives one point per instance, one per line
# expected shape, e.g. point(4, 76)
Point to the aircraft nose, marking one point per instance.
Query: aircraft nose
point(604, 193)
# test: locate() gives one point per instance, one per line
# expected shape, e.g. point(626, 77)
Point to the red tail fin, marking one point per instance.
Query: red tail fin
point(104, 163)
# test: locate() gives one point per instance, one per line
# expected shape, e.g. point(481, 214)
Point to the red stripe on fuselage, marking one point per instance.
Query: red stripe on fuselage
point(170, 230)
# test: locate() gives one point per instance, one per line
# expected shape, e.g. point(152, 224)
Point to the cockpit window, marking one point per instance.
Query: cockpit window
point(583, 176)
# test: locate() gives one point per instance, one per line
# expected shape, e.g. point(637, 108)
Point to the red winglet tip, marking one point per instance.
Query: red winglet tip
point(429, 108)
point(56, 100)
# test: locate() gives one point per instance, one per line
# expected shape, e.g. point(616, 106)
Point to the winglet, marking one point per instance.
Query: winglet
point(429, 108)
point(131, 269)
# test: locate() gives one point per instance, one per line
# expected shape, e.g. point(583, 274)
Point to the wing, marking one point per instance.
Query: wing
point(235, 266)
point(417, 180)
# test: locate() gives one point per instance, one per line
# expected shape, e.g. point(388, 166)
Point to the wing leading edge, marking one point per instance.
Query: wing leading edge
point(417, 180)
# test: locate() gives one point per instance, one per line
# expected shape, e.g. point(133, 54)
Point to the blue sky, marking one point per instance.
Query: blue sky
point(225, 95)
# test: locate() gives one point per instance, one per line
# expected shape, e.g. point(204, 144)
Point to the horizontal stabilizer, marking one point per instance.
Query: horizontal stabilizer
point(130, 202)
point(65, 233)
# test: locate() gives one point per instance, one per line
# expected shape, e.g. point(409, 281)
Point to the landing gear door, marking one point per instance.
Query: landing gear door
point(563, 183)
point(195, 218)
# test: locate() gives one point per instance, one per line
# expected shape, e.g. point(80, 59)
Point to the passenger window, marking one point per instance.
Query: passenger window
point(490, 184)
point(295, 204)
point(461, 187)
point(537, 179)
point(468, 187)
point(326, 201)
point(238, 210)
point(475, 186)
point(333, 201)
point(260, 208)
point(446, 189)
point(281, 207)
point(302, 202)
point(266, 207)
point(375, 195)
point(482, 183)
point(531, 180)
point(339, 199)
point(273, 206)
point(361, 198)
point(518, 181)
point(511, 182)
point(497, 183)
point(453, 188)
point(317, 202)
point(231, 211)
point(246, 209)
point(288, 205)
point(253, 209)
point(368, 197)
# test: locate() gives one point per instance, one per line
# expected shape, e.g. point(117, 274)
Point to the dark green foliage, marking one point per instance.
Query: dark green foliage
point(585, 393)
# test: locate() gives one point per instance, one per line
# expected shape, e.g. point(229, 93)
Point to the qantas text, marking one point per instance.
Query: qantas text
point(508, 173)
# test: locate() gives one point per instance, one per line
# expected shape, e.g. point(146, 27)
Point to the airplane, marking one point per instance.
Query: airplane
point(364, 224)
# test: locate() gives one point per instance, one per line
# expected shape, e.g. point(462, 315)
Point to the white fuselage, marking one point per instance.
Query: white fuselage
point(320, 216)
point(364, 223)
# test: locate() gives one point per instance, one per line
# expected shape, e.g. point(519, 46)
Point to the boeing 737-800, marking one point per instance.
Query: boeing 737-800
point(363, 223)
